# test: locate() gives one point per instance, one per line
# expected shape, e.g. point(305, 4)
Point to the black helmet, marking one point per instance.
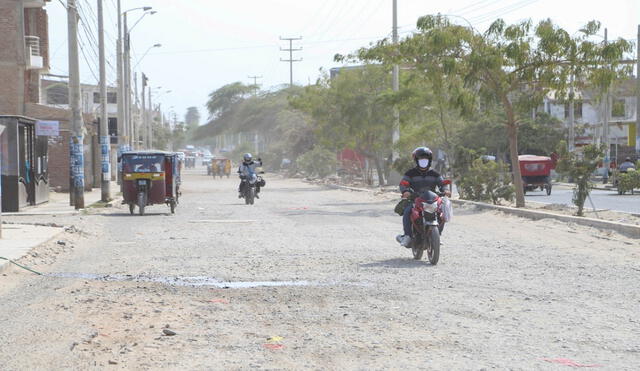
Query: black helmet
point(422, 153)
point(628, 159)
point(247, 157)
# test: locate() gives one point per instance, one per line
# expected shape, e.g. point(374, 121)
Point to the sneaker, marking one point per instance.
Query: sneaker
point(403, 240)
point(257, 195)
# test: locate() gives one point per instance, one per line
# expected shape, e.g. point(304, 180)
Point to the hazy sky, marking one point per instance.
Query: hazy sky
point(209, 43)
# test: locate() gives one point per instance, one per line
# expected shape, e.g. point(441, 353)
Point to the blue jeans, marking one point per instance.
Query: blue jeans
point(406, 220)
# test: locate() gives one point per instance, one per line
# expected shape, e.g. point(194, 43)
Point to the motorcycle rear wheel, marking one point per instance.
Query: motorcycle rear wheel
point(433, 245)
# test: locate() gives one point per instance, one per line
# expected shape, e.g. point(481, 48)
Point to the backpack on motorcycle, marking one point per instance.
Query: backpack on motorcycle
point(399, 209)
point(447, 209)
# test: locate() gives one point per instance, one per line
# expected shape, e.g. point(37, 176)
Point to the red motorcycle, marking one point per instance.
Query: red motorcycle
point(428, 217)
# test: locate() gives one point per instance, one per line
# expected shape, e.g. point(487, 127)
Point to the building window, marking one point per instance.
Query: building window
point(617, 108)
point(58, 94)
point(112, 98)
point(577, 110)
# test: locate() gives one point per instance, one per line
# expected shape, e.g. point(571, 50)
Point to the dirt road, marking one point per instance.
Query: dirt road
point(312, 278)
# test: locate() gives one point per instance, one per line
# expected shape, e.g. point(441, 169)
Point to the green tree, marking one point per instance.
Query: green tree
point(579, 166)
point(352, 111)
point(223, 99)
point(514, 66)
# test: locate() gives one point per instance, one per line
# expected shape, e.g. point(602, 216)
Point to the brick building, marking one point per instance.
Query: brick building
point(24, 59)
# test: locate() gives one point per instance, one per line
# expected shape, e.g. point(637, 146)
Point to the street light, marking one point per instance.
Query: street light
point(127, 68)
point(145, 54)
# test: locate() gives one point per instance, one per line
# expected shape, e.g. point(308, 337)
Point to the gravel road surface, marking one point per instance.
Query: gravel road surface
point(312, 278)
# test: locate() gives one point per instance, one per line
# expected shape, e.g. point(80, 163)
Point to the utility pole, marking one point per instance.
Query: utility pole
point(638, 93)
point(291, 49)
point(605, 129)
point(104, 117)
point(395, 134)
point(135, 124)
point(255, 83)
point(127, 82)
point(572, 122)
point(77, 126)
point(144, 117)
point(150, 122)
point(122, 136)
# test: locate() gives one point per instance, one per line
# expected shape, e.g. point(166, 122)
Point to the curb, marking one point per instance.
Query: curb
point(5, 264)
point(628, 230)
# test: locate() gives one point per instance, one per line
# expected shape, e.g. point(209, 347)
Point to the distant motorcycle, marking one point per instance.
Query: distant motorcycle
point(429, 213)
point(250, 186)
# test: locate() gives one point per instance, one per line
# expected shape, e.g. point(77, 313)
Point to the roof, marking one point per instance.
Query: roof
point(533, 158)
point(150, 152)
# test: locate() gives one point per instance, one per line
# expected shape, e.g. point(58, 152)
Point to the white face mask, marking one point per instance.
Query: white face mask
point(423, 163)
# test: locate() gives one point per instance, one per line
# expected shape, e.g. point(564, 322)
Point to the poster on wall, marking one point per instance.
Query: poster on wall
point(47, 128)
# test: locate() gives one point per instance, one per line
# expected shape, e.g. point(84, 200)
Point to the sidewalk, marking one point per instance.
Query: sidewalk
point(18, 239)
point(59, 203)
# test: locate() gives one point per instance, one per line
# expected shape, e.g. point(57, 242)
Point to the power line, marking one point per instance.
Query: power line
point(502, 11)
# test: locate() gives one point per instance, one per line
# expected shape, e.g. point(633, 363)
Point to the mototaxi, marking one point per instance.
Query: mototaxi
point(150, 178)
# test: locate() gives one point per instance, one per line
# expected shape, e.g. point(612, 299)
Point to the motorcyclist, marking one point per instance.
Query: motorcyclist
point(626, 165)
point(419, 179)
point(247, 168)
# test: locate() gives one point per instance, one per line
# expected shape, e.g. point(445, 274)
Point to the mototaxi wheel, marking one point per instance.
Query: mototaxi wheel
point(132, 208)
point(142, 202)
point(433, 245)
point(172, 205)
point(547, 187)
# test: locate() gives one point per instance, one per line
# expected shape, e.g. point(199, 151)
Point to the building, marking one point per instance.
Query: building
point(589, 118)
point(24, 59)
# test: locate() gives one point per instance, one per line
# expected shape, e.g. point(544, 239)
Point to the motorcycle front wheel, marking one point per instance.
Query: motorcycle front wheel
point(248, 197)
point(417, 247)
point(433, 245)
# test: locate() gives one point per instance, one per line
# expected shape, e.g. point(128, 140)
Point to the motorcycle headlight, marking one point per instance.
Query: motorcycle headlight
point(429, 207)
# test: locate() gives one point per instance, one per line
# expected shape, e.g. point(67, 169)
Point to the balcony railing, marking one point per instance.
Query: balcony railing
point(34, 59)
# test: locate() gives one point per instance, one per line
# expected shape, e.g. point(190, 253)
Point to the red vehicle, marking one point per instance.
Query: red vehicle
point(536, 172)
point(427, 221)
point(150, 177)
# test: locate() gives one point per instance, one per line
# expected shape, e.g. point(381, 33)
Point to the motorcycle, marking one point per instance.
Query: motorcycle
point(250, 185)
point(429, 214)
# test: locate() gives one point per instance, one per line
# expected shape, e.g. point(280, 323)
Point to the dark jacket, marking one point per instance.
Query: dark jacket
point(421, 181)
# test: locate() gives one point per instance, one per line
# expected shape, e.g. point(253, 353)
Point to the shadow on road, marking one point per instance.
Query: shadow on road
point(398, 263)
point(127, 214)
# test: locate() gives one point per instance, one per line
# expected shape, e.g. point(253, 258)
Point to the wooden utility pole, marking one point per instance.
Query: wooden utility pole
point(638, 93)
point(77, 126)
point(291, 49)
point(105, 142)
point(605, 128)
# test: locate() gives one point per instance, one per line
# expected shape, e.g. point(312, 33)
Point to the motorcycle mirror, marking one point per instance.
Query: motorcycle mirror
point(446, 182)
